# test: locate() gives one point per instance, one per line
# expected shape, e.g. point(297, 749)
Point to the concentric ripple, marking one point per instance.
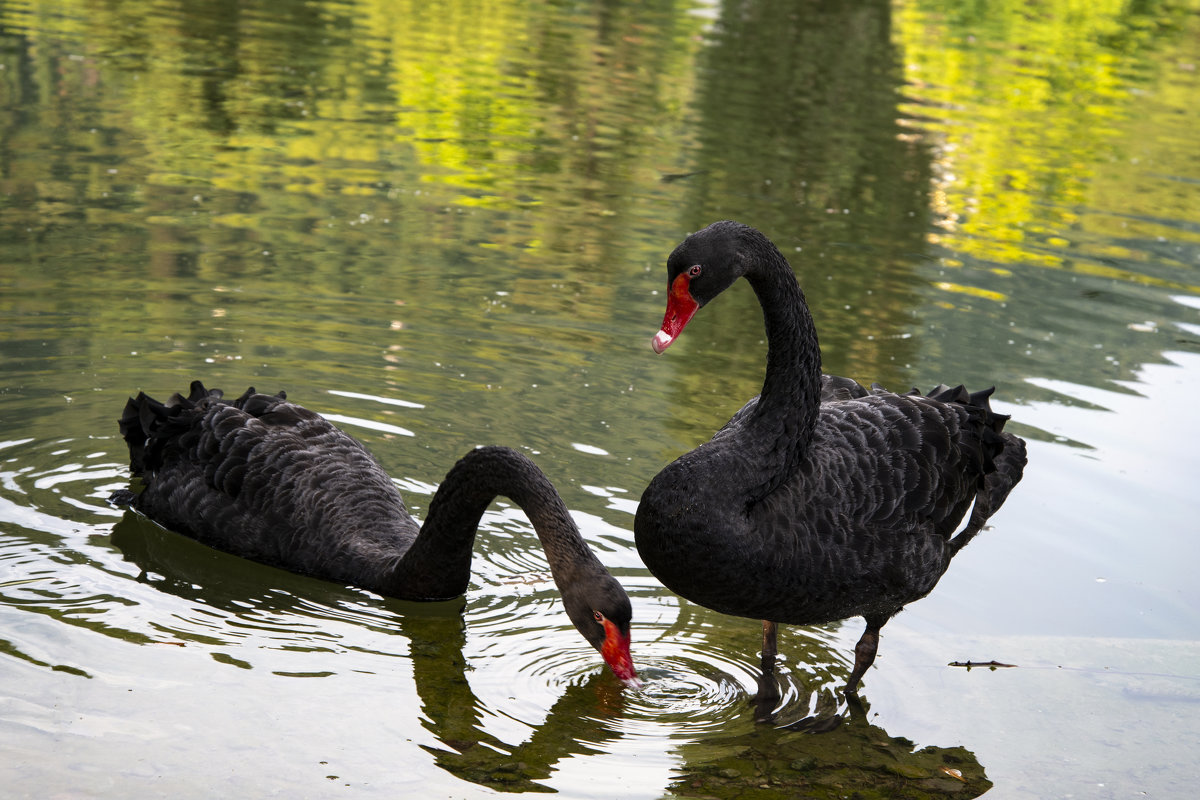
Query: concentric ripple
point(502, 668)
point(688, 685)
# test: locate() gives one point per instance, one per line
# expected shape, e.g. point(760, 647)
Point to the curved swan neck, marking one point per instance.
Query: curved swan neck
point(789, 403)
point(438, 564)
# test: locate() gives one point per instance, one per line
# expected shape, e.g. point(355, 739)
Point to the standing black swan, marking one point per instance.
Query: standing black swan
point(820, 499)
point(274, 482)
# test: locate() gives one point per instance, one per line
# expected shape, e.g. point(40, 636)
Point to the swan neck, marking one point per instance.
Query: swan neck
point(788, 405)
point(438, 564)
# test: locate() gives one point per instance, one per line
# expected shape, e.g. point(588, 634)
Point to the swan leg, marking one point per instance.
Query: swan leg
point(768, 688)
point(864, 656)
point(769, 648)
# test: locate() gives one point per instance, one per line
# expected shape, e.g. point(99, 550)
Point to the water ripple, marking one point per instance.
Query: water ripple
point(501, 667)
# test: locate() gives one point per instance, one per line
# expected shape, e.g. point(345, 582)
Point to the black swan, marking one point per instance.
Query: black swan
point(820, 499)
point(274, 482)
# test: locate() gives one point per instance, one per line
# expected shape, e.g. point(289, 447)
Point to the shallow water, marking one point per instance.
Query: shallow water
point(444, 225)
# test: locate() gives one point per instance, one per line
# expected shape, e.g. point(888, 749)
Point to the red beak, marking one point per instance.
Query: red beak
point(680, 308)
point(615, 652)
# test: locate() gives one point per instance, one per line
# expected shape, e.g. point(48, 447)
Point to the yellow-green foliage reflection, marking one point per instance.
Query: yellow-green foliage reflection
point(1036, 109)
point(509, 105)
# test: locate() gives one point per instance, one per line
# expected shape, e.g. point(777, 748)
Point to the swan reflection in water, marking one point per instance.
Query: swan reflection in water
point(832, 742)
point(835, 755)
point(255, 596)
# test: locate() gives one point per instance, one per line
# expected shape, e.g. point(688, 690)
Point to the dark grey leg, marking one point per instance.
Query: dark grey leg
point(768, 687)
point(864, 656)
point(769, 649)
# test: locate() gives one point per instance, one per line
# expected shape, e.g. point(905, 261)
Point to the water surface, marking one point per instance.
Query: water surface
point(444, 225)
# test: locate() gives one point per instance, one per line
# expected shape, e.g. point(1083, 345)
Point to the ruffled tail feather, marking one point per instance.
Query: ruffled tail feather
point(145, 420)
point(1005, 454)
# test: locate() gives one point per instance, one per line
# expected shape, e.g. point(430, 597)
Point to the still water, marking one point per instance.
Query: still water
point(444, 225)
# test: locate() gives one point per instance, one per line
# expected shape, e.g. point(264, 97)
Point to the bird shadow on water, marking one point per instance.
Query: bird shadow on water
point(577, 724)
point(796, 733)
point(832, 750)
point(826, 756)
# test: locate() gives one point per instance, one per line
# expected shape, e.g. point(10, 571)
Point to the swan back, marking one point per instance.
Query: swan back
point(268, 480)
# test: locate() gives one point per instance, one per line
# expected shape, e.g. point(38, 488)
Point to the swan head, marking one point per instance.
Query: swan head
point(600, 611)
point(700, 268)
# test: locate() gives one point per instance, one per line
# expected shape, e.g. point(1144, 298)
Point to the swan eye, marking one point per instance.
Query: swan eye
point(599, 617)
point(693, 270)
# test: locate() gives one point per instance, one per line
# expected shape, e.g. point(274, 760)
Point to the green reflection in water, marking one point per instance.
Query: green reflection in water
point(1063, 161)
point(813, 157)
point(468, 205)
point(1035, 110)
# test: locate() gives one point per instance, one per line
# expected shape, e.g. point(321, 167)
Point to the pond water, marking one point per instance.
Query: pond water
point(444, 225)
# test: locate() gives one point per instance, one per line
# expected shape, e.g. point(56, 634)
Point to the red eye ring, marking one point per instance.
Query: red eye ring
point(693, 270)
point(599, 617)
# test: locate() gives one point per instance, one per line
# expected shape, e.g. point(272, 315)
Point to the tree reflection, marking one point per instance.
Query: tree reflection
point(799, 136)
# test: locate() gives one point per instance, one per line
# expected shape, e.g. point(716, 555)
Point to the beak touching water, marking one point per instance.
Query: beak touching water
point(615, 652)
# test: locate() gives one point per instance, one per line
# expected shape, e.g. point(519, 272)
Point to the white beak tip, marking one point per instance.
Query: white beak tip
point(662, 340)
